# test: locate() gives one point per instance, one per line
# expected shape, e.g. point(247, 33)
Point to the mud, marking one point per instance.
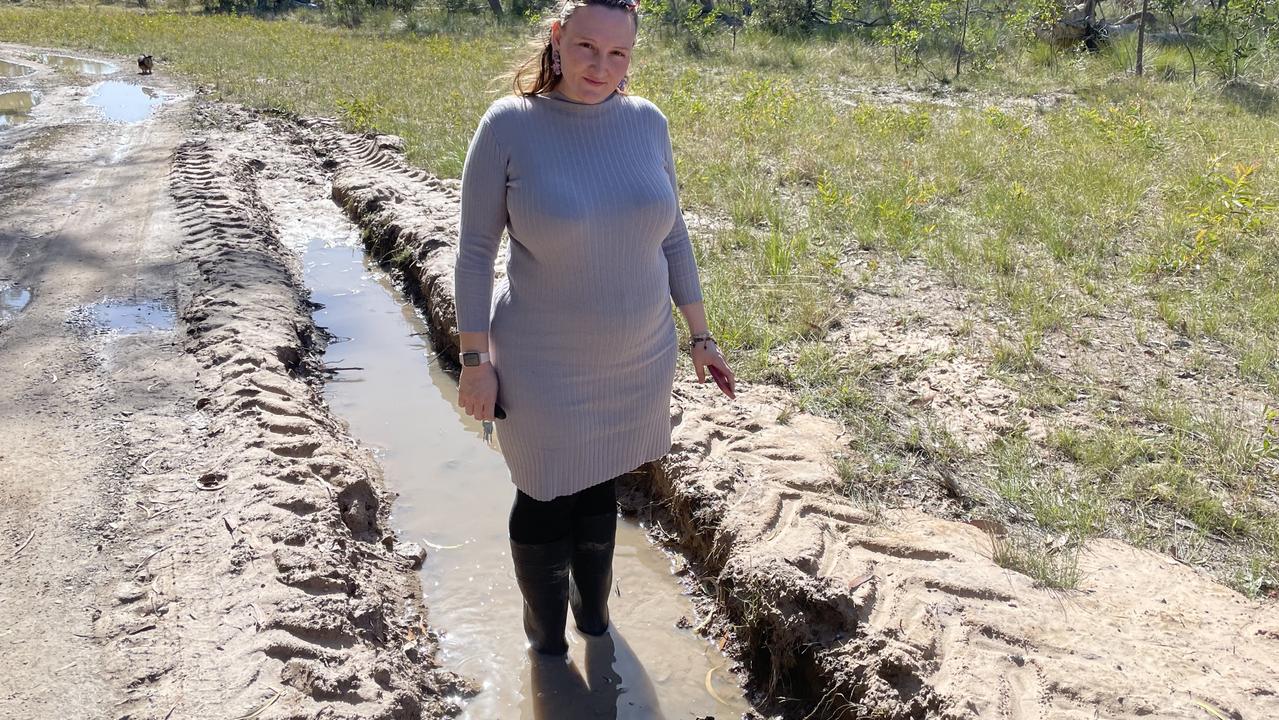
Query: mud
point(899, 614)
point(454, 496)
point(188, 532)
point(842, 612)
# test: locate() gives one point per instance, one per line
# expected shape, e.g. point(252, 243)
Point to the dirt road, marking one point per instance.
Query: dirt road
point(185, 531)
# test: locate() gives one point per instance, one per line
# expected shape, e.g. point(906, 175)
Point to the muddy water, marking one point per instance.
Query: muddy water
point(15, 107)
point(124, 102)
point(130, 318)
point(78, 65)
point(13, 70)
point(454, 497)
point(13, 300)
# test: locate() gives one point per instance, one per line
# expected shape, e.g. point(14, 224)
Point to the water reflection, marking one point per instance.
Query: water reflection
point(13, 70)
point(13, 300)
point(612, 685)
point(123, 102)
point(121, 317)
point(78, 65)
point(15, 107)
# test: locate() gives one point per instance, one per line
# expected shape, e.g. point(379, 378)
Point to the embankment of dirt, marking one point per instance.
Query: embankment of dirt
point(303, 506)
point(841, 611)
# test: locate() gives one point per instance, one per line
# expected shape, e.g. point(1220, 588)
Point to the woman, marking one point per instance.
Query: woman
point(577, 346)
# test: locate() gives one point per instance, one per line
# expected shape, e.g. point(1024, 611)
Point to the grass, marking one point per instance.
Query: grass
point(1050, 567)
point(1149, 200)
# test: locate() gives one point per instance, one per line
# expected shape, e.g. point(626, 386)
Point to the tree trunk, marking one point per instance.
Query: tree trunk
point(1141, 36)
point(496, 7)
point(963, 37)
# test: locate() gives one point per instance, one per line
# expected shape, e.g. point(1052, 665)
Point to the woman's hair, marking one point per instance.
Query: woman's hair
point(533, 76)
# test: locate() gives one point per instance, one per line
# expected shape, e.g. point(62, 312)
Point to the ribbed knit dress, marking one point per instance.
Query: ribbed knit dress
point(581, 333)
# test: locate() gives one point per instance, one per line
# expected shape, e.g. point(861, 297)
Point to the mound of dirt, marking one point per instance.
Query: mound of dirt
point(902, 615)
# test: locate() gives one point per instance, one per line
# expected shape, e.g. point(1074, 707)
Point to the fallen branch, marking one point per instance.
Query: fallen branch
point(147, 559)
point(24, 544)
point(260, 710)
point(146, 460)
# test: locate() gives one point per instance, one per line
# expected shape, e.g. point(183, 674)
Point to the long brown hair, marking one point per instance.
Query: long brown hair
point(534, 75)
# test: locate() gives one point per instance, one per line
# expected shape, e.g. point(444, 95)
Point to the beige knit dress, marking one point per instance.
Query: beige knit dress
point(581, 332)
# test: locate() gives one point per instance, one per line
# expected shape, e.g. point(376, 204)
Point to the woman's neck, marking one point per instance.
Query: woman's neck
point(559, 94)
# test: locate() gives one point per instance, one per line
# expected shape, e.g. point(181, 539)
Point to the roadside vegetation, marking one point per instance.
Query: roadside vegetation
point(1074, 201)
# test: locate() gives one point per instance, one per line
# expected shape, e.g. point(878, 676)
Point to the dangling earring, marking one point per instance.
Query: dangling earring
point(622, 85)
point(555, 61)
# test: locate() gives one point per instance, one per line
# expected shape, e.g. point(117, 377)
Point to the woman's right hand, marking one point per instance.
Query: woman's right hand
point(477, 391)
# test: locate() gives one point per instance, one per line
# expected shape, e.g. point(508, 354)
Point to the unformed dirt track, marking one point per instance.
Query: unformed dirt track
point(186, 532)
point(202, 539)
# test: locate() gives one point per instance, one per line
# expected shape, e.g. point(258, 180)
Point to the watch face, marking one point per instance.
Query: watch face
point(470, 359)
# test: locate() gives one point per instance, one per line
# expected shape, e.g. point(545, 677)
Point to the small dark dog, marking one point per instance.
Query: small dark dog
point(145, 64)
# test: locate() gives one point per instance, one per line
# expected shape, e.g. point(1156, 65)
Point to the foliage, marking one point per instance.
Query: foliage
point(784, 16)
point(1233, 211)
point(1236, 32)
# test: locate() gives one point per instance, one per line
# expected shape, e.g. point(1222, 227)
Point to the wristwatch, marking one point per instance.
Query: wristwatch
point(471, 359)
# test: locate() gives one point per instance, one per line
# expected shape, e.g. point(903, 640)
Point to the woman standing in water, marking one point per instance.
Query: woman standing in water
point(578, 345)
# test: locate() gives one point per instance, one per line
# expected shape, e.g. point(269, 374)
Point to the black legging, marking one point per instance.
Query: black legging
point(542, 521)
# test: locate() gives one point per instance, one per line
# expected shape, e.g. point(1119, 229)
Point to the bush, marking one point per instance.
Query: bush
point(784, 16)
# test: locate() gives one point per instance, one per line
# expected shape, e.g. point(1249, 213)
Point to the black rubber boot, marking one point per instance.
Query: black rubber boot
point(593, 540)
point(542, 572)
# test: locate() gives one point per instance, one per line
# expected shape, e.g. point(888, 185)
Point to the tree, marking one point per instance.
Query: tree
point(1141, 36)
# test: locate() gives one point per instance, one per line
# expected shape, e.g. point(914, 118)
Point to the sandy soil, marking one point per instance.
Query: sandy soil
point(186, 531)
point(841, 612)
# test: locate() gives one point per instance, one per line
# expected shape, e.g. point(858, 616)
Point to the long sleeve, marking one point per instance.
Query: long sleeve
point(483, 217)
point(686, 288)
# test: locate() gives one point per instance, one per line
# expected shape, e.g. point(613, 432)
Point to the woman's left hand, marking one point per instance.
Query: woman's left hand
point(705, 354)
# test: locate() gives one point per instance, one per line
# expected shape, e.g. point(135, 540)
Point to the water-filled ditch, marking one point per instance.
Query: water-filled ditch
point(454, 496)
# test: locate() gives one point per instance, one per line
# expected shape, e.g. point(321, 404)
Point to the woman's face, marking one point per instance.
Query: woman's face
point(595, 51)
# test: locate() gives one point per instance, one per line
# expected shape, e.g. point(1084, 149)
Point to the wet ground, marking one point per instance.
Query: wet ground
point(454, 497)
point(12, 69)
point(82, 66)
point(124, 102)
point(13, 300)
point(15, 107)
point(187, 531)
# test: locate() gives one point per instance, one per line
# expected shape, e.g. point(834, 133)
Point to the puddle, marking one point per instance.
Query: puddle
point(15, 107)
point(79, 65)
point(126, 318)
point(124, 102)
point(454, 494)
point(12, 69)
point(13, 300)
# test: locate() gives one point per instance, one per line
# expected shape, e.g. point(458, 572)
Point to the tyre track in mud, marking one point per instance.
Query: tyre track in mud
point(336, 610)
point(193, 534)
point(839, 612)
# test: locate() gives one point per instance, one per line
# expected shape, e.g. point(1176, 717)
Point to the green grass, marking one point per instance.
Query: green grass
point(1141, 201)
point(1049, 567)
